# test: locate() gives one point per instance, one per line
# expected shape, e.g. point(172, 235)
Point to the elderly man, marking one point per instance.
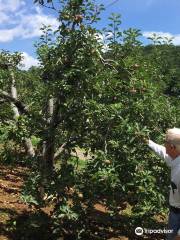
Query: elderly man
point(171, 154)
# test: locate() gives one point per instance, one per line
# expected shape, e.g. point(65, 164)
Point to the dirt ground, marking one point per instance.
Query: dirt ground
point(12, 207)
point(17, 218)
point(11, 180)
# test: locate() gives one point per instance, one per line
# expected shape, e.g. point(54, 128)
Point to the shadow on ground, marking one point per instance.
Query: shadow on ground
point(27, 226)
point(20, 222)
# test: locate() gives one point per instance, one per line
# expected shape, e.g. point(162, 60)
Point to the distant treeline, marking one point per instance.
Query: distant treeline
point(170, 66)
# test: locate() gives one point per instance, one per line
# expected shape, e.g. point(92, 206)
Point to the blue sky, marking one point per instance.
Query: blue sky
point(20, 21)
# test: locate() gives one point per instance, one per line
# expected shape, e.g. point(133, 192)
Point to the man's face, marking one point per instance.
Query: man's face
point(168, 147)
point(170, 150)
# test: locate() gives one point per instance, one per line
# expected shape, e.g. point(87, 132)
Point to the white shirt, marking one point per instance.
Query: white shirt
point(174, 196)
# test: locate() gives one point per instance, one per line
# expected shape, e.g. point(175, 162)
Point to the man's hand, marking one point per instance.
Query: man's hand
point(142, 138)
point(145, 140)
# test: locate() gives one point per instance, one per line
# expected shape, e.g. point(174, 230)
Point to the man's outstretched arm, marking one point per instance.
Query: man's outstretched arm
point(160, 151)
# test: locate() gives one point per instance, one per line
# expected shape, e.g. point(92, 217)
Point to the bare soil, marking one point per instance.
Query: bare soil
point(18, 220)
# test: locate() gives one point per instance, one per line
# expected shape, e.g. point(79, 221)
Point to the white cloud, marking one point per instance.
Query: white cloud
point(28, 61)
point(16, 21)
point(11, 6)
point(176, 40)
point(31, 24)
point(3, 17)
point(164, 35)
point(7, 35)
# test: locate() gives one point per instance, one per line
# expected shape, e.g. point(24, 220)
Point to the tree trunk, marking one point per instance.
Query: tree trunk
point(29, 147)
point(48, 155)
point(48, 144)
point(47, 163)
point(28, 144)
point(14, 94)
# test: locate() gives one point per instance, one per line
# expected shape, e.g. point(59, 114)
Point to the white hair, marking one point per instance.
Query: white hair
point(173, 137)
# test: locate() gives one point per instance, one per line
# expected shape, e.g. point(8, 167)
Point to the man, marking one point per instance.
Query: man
point(171, 154)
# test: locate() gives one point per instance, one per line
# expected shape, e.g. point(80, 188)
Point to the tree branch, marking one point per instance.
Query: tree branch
point(63, 146)
point(59, 150)
point(21, 106)
point(106, 61)
point(50, 7)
